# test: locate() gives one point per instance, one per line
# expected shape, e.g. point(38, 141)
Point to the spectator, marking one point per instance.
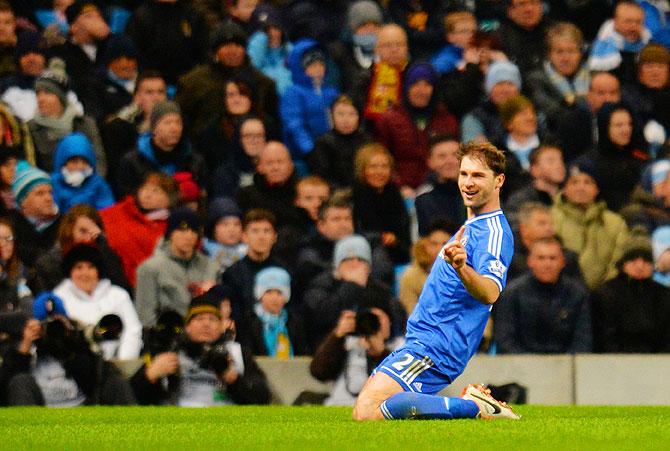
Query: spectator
point(406, 127)
point(259, 234)
point(560, 87)
point(349, 353)
point(135, 224)
point(522, 34)
point(425, 252)
point(347, 287)
point(119, 75)
point(660, 243)
point(200, 91)
point(88, 296)
point(306, 103)
point(207, 369)
point(620, 154)
point(631, 311)
point(74, 178)
point(619, 41)
point(240, 12)
point(310, 193)
point(121, 130)
point(459, 28)
point(8, 160)
point(423, 22)
point(36, 219)
point(14, 294)
point(81, 225)
point(223, 234)
point(356, 56)
point(274, 183)
point(237, 172)
point(8, 39)
point(382, 87)
point(334, 151)
point(275, 330)
point(63, 371)
point(586, 226)
point(83, 50)
point(650, 208)
point(379, 209)
point(268, 50)
point(164, 149)
point(171, 37)
point(175, 272)
point(503, 81)
point(544, 311)
point(56, 117)
point(440, 197)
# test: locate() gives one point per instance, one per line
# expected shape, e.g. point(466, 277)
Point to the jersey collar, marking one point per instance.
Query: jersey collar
point(484, 216)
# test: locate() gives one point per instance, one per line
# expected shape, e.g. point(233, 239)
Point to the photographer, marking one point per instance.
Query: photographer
point(50, 363)
point(207, 369)
point(351, 351)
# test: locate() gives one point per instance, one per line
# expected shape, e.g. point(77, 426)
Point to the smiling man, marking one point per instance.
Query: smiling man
point(447, 324)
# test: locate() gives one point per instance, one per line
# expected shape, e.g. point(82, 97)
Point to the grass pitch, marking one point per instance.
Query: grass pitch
point(323, 428)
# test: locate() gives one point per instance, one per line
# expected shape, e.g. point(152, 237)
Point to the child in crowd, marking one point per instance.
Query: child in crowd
point(460, 27)
point(311, 192)
point(223, 235)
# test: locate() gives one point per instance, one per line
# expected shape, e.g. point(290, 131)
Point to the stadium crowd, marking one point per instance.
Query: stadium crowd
point(195, 183)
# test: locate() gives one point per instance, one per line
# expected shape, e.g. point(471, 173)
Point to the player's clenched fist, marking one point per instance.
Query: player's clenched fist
point(454, 252)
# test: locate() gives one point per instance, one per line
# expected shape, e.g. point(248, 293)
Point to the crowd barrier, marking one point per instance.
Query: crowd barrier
point(583, 379)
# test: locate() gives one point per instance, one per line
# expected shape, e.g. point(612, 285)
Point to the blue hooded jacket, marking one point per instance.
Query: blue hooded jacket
point(94, 191)
point(304, 109)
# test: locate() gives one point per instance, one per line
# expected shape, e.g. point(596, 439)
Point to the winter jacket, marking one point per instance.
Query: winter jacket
point(31, 243)
point(270, 61)
point(646, 210)
point(534, 317)
point(631, 316)
point(525, 48)
point(408, 144)
point(163, 282)
point(447, 59)
point(439, 200)
point(106, 299)
point(276, 198)
point(147, 158)
point(596, 234)
point(485, 121)
point(296, 334)
point(333, 156)
point(131, 235)
point(93, 191)
point(304, 108)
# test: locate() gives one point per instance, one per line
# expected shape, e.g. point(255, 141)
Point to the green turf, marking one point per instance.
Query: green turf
point(324, 428)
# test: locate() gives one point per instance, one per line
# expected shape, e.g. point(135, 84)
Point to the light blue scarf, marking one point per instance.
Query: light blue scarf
point(273, 325)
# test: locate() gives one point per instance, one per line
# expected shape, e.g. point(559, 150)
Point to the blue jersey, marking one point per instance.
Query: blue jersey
point(448, 322)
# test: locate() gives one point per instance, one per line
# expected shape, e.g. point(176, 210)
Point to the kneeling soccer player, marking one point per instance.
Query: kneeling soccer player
point(447, 324)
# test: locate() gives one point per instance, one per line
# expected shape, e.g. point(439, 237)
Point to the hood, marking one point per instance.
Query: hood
point(295, 61)
point(178, 154)
point(73, 145)
point(605, 146)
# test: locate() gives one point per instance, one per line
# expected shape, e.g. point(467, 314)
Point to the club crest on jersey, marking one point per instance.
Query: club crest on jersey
point(496, 267)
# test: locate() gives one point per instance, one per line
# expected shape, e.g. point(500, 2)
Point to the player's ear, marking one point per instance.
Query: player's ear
point(500, 179)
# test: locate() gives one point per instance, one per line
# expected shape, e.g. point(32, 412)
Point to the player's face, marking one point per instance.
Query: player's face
point(479, 186)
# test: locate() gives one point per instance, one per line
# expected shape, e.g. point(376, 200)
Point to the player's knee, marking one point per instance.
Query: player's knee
point(366, 410)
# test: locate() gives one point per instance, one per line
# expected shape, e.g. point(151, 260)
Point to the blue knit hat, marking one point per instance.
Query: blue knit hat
point(27, 178)
point(420, 71)
point(502, 71)
point(272, 278)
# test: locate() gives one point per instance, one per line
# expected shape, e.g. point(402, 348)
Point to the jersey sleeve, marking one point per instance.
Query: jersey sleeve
point(493, 251)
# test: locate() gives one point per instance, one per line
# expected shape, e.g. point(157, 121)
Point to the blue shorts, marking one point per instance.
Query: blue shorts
point(414, 371)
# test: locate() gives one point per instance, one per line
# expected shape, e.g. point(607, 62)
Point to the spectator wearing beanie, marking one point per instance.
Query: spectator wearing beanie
point(83, 50)
point(502, 82)
point(201, 90)
point(36, 219)
point(135, 224)
point(305, 105)
point(586, 226)
point(276, 331)
point(88, 296)
point(631, 312)
point(74, 178)
point(223, 233)
point(119, 74)
point(56, 116)
point(170, 37)
point(406, 127)
point(164, 149)
point(176, 271)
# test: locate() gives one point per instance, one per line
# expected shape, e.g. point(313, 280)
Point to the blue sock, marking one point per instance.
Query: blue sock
point(409, 405)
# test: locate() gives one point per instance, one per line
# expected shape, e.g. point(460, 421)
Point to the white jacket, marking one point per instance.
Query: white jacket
point(107, 299)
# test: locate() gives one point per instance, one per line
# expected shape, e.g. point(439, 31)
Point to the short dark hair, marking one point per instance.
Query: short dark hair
point(339, 199)
point(442, 224)
point(259, 215)
point(535, 153)
point(441, 138)
point(486, 152)
point(146, 75)
point(545, 240)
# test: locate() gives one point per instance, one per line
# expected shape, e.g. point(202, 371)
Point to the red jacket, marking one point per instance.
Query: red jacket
point(409, 145)
point(131, 234)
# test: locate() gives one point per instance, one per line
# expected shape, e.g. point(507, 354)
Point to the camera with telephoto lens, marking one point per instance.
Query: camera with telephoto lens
point(367, 323)
point(165, 336)
point(215, 358)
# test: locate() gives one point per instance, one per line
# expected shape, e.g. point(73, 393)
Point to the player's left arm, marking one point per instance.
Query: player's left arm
point(482, 288)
